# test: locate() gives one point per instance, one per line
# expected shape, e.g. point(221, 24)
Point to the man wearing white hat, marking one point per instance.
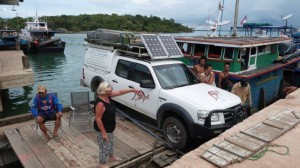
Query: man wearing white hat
point(46, 107)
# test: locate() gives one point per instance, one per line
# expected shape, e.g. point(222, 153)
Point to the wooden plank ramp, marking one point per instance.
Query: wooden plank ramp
point(247, 142)
point(76, 149)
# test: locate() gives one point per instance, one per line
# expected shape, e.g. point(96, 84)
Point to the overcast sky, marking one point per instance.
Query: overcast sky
point(188, 12)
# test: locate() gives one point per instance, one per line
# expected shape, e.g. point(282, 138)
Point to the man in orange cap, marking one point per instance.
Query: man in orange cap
point(45, 107)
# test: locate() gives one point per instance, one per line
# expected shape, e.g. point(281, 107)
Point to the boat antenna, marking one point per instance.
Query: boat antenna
point(18, 21)
point(286, 19)
point(221, 18)
point(13, 9)
point(235, 17)
point(216, 23)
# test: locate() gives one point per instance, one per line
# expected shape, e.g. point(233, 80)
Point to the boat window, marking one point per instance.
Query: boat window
point(267, 48)
point(185, 48)
point(214, 52)
point(253, 51)
point(228, 53)
point(122, 68)
point(263, 49)
point(199, 50)
point(141, 72)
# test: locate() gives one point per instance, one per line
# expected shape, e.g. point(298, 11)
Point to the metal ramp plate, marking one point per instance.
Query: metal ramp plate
point(246, 143)
point(161, 46)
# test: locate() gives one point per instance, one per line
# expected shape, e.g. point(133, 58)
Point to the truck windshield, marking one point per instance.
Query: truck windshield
point(174, 75)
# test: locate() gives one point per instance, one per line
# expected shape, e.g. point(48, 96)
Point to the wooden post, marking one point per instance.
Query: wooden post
point(1, 108)
point(25, 62)
point(235, 17)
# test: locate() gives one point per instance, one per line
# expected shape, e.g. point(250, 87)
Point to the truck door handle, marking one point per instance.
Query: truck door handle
point(115, 81)
point(130, 86)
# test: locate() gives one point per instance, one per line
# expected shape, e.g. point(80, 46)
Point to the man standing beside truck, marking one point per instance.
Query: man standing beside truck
point(242, 89)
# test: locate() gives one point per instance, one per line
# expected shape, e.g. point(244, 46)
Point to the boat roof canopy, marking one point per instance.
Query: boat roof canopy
point(236, 42)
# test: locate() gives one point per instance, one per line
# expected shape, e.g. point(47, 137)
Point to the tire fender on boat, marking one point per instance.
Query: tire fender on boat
point(4, 34)
point(15, 34)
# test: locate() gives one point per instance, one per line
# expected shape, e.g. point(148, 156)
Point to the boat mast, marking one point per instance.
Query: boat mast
point(221, 18)
point(235, 17)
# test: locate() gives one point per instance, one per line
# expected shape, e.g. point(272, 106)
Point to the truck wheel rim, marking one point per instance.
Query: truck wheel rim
point(173, 133)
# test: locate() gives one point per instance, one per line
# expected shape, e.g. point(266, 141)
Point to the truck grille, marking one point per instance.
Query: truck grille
point(228, 116)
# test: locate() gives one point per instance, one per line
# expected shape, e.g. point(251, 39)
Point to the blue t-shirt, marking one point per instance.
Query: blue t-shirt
point(47, 104)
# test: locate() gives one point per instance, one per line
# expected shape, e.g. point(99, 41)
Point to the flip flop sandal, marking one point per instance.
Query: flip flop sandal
point(56, 138)
point(47, 139)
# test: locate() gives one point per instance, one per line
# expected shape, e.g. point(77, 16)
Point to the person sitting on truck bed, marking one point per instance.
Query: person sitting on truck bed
point(105, 121)
point(45, 107)
point(208, 76)
point(242, 89)
point(199, 68)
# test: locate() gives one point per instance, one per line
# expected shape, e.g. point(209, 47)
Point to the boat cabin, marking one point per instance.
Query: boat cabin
point(256, 58)
point(243, 54)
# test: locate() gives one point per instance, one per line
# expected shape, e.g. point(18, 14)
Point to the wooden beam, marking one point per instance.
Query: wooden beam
point(22, 150)
point(40, 149)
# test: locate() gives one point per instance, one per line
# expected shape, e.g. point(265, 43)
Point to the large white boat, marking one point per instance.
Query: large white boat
point(41, 38)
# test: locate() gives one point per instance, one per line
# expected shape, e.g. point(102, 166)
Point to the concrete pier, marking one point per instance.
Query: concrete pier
point(290, 139)
point(14, 71)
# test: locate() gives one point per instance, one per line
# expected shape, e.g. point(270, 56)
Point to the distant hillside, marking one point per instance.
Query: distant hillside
point(79, 23)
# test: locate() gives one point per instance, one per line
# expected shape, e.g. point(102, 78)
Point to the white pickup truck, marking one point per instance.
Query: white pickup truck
point(170, 92)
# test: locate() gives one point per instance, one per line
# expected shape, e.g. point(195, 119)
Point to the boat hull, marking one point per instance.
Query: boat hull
point(58, 47)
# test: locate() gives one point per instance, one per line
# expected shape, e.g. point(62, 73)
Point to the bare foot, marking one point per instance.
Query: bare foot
point(102, 165)
point(47, 138)
point(114, 158)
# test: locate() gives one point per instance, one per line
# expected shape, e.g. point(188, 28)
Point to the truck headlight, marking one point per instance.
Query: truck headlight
point(203, 114)
point(214, 117)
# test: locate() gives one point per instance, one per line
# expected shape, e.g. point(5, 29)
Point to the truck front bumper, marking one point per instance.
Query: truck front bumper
point(207, 130)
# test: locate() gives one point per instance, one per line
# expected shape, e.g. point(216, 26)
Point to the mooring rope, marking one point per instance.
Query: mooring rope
point(260, 154)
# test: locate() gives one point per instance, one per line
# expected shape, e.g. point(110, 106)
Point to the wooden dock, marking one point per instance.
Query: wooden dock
point(76, 149)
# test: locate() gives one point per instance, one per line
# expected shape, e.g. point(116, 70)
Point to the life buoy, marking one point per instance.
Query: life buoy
point(15, 34)
point(4, 34)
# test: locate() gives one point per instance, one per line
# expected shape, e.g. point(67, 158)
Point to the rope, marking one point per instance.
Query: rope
point(260, 154)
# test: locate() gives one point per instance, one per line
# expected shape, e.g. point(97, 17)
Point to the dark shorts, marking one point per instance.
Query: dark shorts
point(48, 116)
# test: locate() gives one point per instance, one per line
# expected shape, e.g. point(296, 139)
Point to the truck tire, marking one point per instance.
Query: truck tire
point(175, 132)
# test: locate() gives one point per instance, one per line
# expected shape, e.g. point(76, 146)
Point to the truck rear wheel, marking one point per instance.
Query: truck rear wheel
point(175, 132)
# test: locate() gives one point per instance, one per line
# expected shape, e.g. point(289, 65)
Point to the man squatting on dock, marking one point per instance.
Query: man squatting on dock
point(105, 121)
point(46, 106)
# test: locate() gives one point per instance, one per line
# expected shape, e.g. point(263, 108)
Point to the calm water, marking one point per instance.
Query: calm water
point(58, 72)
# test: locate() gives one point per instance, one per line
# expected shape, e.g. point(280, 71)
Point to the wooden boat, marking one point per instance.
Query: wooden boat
point(254, 58)
point(41, 38)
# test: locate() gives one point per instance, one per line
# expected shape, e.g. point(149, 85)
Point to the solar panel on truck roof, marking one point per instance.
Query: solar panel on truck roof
point(154, 46)
point(161, 47)
point(170, 45)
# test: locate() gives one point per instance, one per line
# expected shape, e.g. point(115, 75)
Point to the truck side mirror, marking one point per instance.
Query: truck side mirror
point(147, 84)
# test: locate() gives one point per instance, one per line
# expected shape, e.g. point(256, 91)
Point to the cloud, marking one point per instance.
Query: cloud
point(141, 2)
point(187, 12)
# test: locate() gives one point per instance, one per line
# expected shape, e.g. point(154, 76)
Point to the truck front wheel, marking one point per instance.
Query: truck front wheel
point(175, 132)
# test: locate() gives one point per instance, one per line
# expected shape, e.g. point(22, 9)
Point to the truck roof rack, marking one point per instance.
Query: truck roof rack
point(143, 45)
